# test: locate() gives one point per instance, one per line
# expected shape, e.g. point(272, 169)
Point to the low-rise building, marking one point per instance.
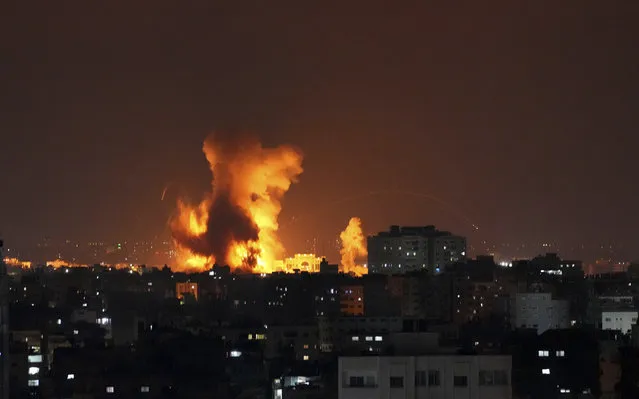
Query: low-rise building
point(619, 320)
point(431, 376)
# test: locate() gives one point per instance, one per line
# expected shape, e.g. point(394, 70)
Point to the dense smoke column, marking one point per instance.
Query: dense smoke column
point(226, 223)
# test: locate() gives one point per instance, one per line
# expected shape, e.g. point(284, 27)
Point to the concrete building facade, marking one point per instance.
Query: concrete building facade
point(406, 249)
point(540, 312)
point(432, 377)
point(619, 320)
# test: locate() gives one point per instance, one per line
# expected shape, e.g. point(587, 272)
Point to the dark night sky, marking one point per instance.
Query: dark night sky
point(523, 115)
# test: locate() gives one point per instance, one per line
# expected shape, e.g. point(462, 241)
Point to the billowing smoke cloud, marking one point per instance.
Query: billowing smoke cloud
point(236, 224)
point(226, 223)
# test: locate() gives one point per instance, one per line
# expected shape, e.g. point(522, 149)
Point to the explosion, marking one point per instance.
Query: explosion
point(15, 262)
point(58, 263)
point(353, 247)
point(237, 222)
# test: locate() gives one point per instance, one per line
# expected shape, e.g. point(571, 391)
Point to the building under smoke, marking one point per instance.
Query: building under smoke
point(407, 249)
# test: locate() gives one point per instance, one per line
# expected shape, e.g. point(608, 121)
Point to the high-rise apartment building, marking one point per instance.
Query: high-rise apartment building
point(406, 249)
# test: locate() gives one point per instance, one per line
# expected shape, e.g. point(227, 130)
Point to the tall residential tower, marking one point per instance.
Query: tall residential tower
point(407, 249)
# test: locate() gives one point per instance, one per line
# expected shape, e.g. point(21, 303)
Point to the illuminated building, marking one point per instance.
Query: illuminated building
point(184, 289)
point(352, 300)
point(300, 262)
point(619, 320)
point(406, 249)
point(540, 311)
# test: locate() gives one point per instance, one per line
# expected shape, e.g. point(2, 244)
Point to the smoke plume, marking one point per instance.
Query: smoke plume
point(353, 247)
point(237, 222)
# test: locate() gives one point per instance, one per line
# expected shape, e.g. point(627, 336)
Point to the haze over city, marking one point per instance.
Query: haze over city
point(516, 119)
point(319, 200)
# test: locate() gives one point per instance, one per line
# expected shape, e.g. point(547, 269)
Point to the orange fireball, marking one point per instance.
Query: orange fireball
point(15, 262)
point(237, 223)
point(353, 247)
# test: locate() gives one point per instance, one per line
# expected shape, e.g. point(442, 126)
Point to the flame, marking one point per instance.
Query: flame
point(15, 262)
point(237, 223)
point(353, 247)
point(58, 263)
point(61, 263)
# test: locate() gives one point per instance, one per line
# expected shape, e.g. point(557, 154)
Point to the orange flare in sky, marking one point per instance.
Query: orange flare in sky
point(353, 247)
point(236, 224)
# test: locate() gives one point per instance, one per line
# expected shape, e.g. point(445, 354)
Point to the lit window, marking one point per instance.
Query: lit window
point(545, 371)
point(355, 339)
point(70, 376)
point(378, 338)
point(305, 357)
point(59, 321)
point(250, 336)
point(369, 339)
point(544, 353)
point(34, 383)
point(144, 389)
point(76, 332)
point(260, 337)
point(34, 370)
point(236, 353)
point(564, 390)
point(305, 346)
point(560, 353)
point(110, 389)
point(35, 358)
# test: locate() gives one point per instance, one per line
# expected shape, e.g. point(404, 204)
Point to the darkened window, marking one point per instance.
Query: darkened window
point(485, 377)
point(493, 377)
point(460, 381)
point(356, 381)
point(420, 378)
point(397, 382)
point(433, 378)
point(501, 377)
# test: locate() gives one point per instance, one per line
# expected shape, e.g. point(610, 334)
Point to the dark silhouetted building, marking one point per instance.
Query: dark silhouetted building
point(407, 249)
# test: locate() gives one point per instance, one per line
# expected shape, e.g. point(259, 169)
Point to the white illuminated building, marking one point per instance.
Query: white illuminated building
point(540, 312)
point(619, 320)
